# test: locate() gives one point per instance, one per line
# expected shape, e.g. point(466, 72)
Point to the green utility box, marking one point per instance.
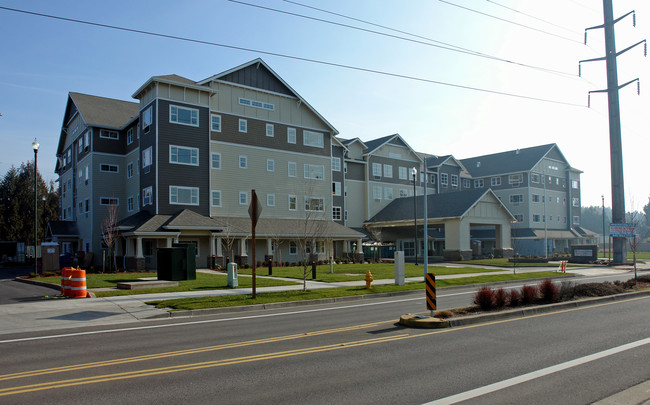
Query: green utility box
point(171, 264)
point(190, 267)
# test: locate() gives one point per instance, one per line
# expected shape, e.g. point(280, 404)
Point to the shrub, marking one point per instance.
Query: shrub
point(567, 291)
point(549, 291)
point(443, 314)
point(528, 294)
point(500, 297)
point(484, 298)
point(514, 298)
point(597, 289)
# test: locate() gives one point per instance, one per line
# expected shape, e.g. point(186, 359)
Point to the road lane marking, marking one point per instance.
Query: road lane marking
point(477, 392)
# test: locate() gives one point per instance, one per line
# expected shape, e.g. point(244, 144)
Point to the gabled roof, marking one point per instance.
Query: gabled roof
point(104, 112)
point(281, 87)
point(62, 229)
point(439, 206)
point(285, 228)
point(348, 142)
point(174, 78)
point(373, 145)
point(519, 160)
point(438, 161)
point(144, 222)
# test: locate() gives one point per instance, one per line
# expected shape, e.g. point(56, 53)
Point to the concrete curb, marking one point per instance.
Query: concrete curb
point(49, 285)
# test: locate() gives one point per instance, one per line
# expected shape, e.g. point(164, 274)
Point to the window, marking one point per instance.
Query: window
point(184, 115)
point(516, 179)
point(216, 161)
point(293, 203)
point(336, 213)
point(467, 183)
point(575, 202)
point(388, 171)
point(516, 199)
point(444, 179)
point(433, 178)
point(291, 135)
point(215, 122)
point(80, 172)
point(147, 196)
point(376, 192)
point(109, 201)
point(87, 140)
point(293, 248)
point(216, 198)
point(129, 204)
point(243, 198)
point(519, 217)
point(87, 205)
point(146, 119)
point(105, 167)
point(314, 139)
point(576, 220)
point(403, 192)
point(314, 204)
point(336, 164)
point(183, 195)
point(403, 173)
point(292, 169)
point(495, 181)
point(575, 184)
point(270, 200)
point(257, 104)
point(104, 133)
point(183, 155)
point(270, 130)
point(243, 162)
point(129, 136)
point(87, 176)
point(536, 198)
point(409, 248)
point(336, 188)
point(146, 158)
point(537, 218)
point(388, 193)
point(454, 181)
point(376, 169)
point(270, 165)
point(80, 146)
point(243, 125)
point(129, 170)
point(314, 172)
point(534, 178)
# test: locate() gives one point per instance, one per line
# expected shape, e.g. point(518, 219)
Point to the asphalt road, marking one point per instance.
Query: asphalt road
point(12, 292)
point(344, 353)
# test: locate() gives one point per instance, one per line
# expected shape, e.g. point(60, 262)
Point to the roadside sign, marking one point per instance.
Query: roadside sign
point(255, 208)
point(622, 230)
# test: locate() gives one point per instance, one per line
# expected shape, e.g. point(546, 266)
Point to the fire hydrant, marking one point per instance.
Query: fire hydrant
point(369, 279)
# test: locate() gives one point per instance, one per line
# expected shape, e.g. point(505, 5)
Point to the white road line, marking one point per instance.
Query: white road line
point(464, 396)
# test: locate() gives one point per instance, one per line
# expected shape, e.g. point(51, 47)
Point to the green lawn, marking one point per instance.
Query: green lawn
point(265, 298)
point(630, 255)
point(506, 263)
point(203, 281)
point(351, 272)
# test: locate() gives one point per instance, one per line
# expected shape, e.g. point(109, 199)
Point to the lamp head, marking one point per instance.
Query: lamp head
point(35, 145)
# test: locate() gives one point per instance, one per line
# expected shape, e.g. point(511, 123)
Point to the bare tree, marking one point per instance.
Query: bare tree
point(228, 240)
point(110, 235)
point(311, 229)
point(636, 219)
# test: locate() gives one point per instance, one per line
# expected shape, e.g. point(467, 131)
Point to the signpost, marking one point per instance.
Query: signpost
point(622, 230)
point(254, 211)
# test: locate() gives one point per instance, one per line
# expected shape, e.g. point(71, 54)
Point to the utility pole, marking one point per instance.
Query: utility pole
point(615, 147)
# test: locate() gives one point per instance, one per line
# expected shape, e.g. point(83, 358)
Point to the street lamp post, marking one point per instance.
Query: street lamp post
point(604, 237)
point(415, 216)
point(426, 224)
point(35, 146)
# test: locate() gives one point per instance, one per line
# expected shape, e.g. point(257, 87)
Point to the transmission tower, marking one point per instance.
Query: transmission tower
point(615, 148)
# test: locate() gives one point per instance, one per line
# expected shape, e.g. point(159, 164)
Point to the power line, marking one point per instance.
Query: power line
point(533, 17)
point(508, 21)
point(447, 46)
point(285, 56)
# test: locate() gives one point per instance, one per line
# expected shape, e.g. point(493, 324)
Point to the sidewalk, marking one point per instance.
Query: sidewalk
point(59, 314)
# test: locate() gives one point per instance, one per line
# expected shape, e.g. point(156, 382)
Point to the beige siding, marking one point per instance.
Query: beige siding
point(355, 203)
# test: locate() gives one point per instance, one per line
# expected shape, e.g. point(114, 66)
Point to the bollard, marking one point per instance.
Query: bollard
point(77, 284)
point(313, 270)
point(369, 279)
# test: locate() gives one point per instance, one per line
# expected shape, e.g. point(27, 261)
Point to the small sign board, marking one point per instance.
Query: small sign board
point(622, 230)
point(255, 208)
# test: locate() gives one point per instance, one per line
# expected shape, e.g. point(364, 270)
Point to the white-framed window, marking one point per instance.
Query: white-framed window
point(216, 160)
point(291, 135)
point(129, 136)
point(129, 170)
point(292, 169)
point(257, 104)
point(270, 130)
point(336, 188)
point(109, 201)
point(243, 161)
point(575, 202)
point(129, 204)
point(376, 192)
point(243, 198)
point(495, 181)
point(293, 248)
point(109, 168)
point(215, 122)
point(388, 193)
point(516, 199)
point(179, 195)
point(87, 140)
point(293, 202)
point(576, 220)
point(336, 164)
point(80, 172)
point(105, 133)
point(80, 146)
point(69, 156)
point(536, 198)
point(183, 155)
point(403, 173)
point(270, 165)
point(444, 179)
point(537, 218)
point(216, 198)
point(184, 115)
point(147, 196)
point(147, 119)
point(270, 200)
point(519, 217)
point(314, 139)
point(515, 178)
point(376, 169)
point(534, 178)
point(336, 213)
point(314, 172)
point(467, 183)
point(316, 204)
point(388, 171)
point(147, 157)
point(454, 180)
point(243, 125)
point(86, 174)
point(403, 192)
point(575, 184)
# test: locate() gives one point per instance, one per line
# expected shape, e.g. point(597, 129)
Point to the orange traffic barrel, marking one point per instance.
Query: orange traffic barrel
point(66, 273)
point(77, 284)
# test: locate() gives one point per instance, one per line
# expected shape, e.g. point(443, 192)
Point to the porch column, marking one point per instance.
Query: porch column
point(169, 242)
point(138, 248)
point(242, 247)
point(213, 251)
point(359, 246)
point(219, 247)
point(269, 246)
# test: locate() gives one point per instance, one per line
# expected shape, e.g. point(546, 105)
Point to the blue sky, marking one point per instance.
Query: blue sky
point(44, 59)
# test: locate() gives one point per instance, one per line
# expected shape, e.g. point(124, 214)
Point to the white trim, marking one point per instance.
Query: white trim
point(211, 123)
point(183, 147)
point(190, 124)
point(191, 189)
point(212, 198)
point(239, 125)
point(117, 167)
point(212, 154)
